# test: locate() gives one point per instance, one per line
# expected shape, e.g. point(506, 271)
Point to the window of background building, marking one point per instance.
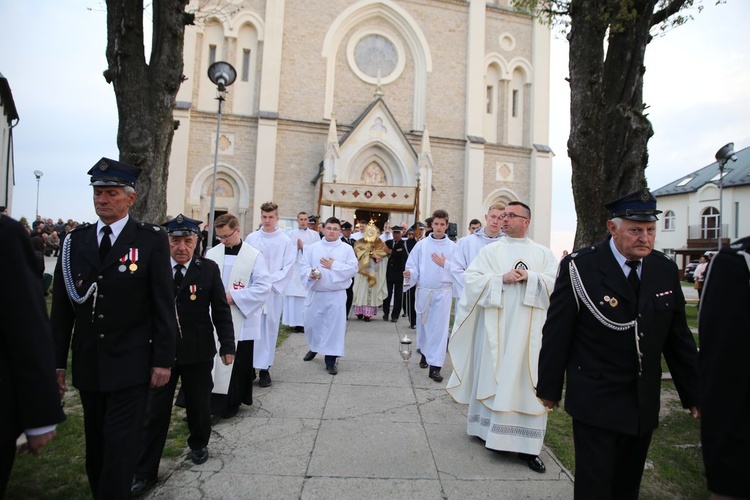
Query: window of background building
point(736, 219)
point(710, 223)
point(211, 54)
point(489, 99)
point(515, 104)
point(669, 220)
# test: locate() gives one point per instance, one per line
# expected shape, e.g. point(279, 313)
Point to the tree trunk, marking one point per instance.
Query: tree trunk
point(608, 131)
point(145, 93)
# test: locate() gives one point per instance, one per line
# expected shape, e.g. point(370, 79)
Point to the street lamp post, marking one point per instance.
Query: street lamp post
point(38, 174)
point(222, 74)
point(723, 155)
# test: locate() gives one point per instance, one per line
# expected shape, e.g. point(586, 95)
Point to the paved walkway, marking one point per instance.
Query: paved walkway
point(380, 429)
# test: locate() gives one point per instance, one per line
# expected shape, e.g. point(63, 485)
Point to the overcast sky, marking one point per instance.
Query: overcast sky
point(697, 85)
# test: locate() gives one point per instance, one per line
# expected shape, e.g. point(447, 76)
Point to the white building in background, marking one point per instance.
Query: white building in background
point(691, 205)
point(333, 101)
point(9, 120)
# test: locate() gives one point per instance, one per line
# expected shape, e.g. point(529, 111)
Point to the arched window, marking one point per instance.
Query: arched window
point(669, 220)
point(710, 223)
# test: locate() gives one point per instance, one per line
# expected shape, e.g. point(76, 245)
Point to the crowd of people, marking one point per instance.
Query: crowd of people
point(143, 308)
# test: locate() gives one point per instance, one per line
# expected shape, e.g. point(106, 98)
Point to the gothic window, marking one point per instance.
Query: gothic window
point(376, 56)
point(245, 65)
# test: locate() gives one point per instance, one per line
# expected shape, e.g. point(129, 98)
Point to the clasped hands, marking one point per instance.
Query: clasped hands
point(326, 262)
point(515, 276)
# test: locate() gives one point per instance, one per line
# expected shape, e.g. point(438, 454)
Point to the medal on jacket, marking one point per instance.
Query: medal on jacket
point(122, 268)
point(133, 252)
point(238, 285)
point(193, 289)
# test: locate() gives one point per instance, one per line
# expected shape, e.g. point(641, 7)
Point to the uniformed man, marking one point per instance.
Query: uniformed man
point(346, 237)
point(615, 309)
point(113, 296)
point(201, 306)
point(725, 385)
point(394, 274)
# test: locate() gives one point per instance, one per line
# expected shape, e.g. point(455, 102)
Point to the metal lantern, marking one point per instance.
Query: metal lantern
point(404, 348)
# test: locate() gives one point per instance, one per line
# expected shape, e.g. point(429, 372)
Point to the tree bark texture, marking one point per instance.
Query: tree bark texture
point(609, 132)
point(145, 93)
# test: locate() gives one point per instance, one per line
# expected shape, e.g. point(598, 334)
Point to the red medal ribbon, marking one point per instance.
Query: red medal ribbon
point(193, 288)
point(133, 255)
point(124, 258)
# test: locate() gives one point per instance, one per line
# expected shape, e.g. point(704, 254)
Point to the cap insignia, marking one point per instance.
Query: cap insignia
point(179, 219)
point(103, 166)
point(644, 196)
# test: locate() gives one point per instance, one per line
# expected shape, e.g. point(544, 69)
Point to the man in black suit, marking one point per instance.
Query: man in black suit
point(346, 237)
point(113, 305)
point(31, 403)
point(201, 306)
point(725, 381)
point(616, 308)
point(394, 274)
point(409, 307)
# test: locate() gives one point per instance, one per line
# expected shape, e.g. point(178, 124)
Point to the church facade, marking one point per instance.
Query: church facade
point(376, 109)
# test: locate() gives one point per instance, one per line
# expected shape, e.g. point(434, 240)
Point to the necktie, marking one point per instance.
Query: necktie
point(633, 279)
point(106, 245)
point(178, 275)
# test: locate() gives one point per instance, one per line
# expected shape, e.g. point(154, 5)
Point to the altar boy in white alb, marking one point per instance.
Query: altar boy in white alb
point(327, 269)
point(246, 280)
point(497, 335)
point(280, 254)
point(429, 269)
point(294, 295)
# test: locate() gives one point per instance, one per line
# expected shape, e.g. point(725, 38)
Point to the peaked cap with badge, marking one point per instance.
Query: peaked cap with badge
point(182, 226)
point(638, 206)
point(109, 172)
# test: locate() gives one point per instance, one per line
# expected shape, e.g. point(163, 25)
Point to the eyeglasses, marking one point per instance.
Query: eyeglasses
point(227, 236)
point(513, 216)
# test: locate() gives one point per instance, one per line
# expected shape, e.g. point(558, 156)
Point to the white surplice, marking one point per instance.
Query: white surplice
point(280, 255)
point(245, 276)
point(325, 303)
point(434, 295)
point(494, 348)
point(467, 248)
point(294, 295)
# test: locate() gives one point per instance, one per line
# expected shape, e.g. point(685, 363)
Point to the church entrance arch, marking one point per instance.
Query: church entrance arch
point(232, 193)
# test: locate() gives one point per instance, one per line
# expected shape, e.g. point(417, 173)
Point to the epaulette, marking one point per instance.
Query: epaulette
point(153, 228)
point(82, 225)
point(742, 245)
point(661, 254)
point(582, 251)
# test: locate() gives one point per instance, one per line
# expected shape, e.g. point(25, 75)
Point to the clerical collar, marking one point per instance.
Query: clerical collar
point(432, 235)
point(235, 250)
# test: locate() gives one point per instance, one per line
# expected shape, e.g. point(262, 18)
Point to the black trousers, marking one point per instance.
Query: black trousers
point(349, 298)
point(196, 385)
point(409, 307)
point(113, 423)
point(396, 292)
point(7, 457)
point(609, 464)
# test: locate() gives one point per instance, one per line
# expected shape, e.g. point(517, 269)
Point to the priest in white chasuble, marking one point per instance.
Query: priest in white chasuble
point(497, 335)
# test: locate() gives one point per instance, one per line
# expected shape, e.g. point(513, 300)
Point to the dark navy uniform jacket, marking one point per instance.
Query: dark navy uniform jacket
point(607, 387)
point(133, 327)
point(200, 298)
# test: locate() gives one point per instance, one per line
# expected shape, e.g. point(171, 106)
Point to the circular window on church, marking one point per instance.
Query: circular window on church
point(375, 54)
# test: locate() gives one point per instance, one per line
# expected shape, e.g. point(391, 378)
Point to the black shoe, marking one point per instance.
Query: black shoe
point(299, 329)
point(310, 355)
point(435, 375)
point(423, 362)
point(265, 379)
point(412, 327)
point(394, 320)
point(332, 369)
point(231, 412)
point(385, 317)
point(199, 456)
point(141, 486)
point(360, 316)
point(534, 462)
point(367, 319)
